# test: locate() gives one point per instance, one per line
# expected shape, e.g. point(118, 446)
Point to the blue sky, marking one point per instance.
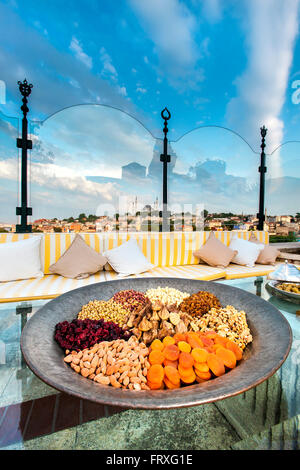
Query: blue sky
point(230, 63)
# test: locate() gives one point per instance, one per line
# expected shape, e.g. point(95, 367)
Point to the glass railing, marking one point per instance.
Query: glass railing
point(9, 172)
point(94, 167)
point(215, 172)
point(283, 190)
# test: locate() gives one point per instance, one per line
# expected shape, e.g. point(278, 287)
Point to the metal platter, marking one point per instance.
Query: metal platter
point(272, 288)
point(271, 344)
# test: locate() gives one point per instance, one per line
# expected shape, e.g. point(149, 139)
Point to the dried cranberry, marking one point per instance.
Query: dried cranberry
point(81, 334)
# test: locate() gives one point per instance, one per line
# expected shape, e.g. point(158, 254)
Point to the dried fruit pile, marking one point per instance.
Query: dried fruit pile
point(130, 299)
point(155, 320)
point(191, 357)
point(163, 338)
point(81, 334)
point(198, 304)
point(166, 295)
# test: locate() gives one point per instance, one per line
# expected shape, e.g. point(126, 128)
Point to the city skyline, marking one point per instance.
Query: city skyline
point(221, 93)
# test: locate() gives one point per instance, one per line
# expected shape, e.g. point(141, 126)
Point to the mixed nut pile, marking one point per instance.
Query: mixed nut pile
point(133, 339)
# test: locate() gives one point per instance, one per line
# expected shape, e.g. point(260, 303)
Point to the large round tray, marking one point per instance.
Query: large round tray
point(272, 288)
point(271, 344)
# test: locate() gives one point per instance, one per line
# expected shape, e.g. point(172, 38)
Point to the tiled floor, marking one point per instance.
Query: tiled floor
point(36, 418)
point(200, 427)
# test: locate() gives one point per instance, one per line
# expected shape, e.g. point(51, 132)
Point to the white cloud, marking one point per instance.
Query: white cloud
point(171, 27)
point(122, 90)
point(108, 67)
point(204, 47)
point(109, 71)
point(212, 9)
point(271, 29)
point(55, 177)
point(141, 90)
point(77, 82)
point(76, 47)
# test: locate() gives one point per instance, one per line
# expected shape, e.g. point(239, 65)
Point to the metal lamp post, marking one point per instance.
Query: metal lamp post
point(25, 144)
point(262, 170)
point(165, 159)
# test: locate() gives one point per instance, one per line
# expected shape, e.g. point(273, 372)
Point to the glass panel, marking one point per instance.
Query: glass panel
point(214, 171)
point(9, 172)
point(283, 191)
point(93, 167)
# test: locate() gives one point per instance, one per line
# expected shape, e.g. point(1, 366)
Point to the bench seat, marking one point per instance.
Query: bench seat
point(235, 271)
point(52, 285)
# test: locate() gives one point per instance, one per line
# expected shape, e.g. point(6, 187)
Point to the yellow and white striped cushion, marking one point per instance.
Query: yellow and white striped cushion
point(200, 272)
point(52, 285)
point(235, 271)
point(161, 249)
point(225, 237)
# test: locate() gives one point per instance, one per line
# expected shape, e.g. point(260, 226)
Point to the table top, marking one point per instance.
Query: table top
point(20, 388)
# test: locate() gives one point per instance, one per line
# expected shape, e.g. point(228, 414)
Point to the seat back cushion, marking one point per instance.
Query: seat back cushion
point(160, 249)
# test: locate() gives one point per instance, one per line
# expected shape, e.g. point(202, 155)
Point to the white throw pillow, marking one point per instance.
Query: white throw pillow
point(20, 260)
point(246, 253)
point(128, 259)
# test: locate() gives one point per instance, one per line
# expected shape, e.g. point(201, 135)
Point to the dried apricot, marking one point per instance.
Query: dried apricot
point(157, 344)
point(235, 349)
point(167, 362)
point(170, 385)
point(184, 346)
point(220, 340)
point(199, 354)
point(156, 357)
point(171, 352)
point(154, 385)
point(215, 347)
point(201, 367)
point(183, 372)
point(155, 373)
point(210, 334)
point(186, 360)
point(194, 340)
point(203, 376)
point(206, 341)
point(189, 379)
point(168, 340)
point(179, 337)
point(172, 375)
point(215, 364)
point(227, 356)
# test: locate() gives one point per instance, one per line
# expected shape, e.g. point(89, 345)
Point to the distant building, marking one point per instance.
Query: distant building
point(7, 227)
point(284, 218)
point(215, 223)
point(75, 227)
point(282, 230)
